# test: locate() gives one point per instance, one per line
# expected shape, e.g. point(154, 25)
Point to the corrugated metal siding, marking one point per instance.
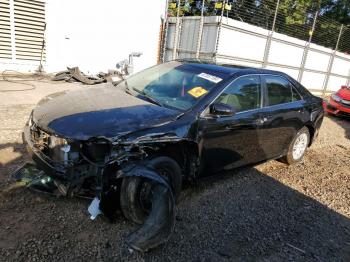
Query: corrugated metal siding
point(5, 30)
point(29, 29)
point(188, 37)
point(209, 38)
point(189, 34)
point(170, 42)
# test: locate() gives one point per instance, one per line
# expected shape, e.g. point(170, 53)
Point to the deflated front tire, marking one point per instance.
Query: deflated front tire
point(160, 223)
point(134, 190)
point(148, 197)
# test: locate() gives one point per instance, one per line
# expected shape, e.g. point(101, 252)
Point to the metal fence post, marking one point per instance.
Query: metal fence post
point(176, 37)
point(269, 37)
point(219, 30)
point(165, 31)
point(331, 60)
point(306, 50)
point(200, 31)
point(165, 39)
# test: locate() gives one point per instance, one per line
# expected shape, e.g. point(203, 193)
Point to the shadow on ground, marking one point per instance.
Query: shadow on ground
point(12, 156)
point(250, 216)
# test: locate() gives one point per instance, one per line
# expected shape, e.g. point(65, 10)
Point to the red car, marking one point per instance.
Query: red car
point(339, 103)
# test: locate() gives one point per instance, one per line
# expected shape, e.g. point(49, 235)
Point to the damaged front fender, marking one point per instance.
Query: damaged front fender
point(160, 222)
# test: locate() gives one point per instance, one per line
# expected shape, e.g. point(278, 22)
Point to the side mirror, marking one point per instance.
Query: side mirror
point(221, 109)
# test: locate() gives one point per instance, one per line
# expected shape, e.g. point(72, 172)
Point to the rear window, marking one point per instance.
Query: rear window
point(280, 91)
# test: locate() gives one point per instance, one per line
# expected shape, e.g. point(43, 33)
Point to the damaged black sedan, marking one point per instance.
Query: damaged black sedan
point(131, 146)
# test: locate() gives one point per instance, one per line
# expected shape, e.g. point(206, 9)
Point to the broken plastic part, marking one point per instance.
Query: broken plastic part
point(26, 174)
point(94, 208)
point(143, 171)
point(61, 188)
point(35, 179)
point(160, 223)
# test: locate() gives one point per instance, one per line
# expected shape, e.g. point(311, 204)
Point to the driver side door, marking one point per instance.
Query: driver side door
point(233, 141)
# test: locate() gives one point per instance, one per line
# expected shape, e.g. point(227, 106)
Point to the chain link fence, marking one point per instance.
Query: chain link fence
point(308, 24)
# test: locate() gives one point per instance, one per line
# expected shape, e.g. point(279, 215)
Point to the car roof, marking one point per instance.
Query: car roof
point(227, 68)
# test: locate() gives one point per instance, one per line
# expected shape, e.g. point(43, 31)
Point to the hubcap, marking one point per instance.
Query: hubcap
point(300, 146)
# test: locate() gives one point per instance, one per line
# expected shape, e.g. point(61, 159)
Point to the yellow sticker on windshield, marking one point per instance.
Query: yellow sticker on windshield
point(197, 91)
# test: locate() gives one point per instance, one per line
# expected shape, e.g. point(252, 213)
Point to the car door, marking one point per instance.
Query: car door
point(282, 115)
point(232, 141)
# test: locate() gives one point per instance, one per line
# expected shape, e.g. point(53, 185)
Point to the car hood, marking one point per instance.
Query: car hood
point(98, 111)
point(344, 93)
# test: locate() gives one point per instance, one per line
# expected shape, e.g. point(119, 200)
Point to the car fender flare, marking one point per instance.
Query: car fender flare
point(160, 223)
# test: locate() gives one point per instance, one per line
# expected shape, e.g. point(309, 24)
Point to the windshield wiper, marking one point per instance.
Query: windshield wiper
point(151, 99)
point(127, 89)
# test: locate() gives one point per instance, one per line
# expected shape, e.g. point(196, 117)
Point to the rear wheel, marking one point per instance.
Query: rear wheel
point(136, 192)
point(298, 147)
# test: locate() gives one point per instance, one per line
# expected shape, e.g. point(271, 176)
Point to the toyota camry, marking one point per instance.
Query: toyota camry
point(175, 121)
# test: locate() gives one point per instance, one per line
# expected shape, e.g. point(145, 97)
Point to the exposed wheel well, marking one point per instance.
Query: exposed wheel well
point(184, 153)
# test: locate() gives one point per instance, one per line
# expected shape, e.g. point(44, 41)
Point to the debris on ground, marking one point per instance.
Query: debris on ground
point(75, 75)
point(94, 208)
point(31, 177)
point(157, 227)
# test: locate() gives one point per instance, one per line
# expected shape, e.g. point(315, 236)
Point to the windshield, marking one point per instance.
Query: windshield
point(174, 84)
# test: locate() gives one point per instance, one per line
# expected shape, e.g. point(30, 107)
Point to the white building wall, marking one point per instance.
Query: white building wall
point(317, 61)
point(95, 35)
point(341, 66)
point(240, 44)
point(284, 54)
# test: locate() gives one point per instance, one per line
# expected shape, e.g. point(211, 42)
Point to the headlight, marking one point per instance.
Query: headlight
point(335, 98)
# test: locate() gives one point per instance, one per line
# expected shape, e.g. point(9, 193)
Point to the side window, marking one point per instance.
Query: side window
point(280, 91)
point(242, 94)
point(296, 95)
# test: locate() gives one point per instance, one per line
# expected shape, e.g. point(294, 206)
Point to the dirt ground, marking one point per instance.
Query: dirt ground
point(270, 212)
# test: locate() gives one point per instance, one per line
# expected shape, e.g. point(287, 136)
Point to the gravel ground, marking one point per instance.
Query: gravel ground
point(269, 212)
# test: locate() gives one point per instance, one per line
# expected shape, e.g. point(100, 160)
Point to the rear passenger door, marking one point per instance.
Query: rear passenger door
point(282, 115)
